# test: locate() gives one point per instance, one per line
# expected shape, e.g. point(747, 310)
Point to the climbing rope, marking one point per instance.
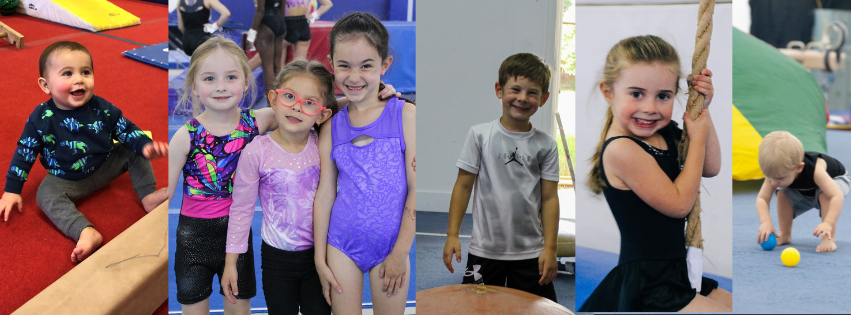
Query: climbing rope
point(694, 105)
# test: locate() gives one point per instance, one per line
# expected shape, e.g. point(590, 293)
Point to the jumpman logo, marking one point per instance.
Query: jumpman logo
point(513, 158)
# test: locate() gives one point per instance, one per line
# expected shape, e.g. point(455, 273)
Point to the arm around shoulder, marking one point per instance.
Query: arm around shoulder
point(265, 120)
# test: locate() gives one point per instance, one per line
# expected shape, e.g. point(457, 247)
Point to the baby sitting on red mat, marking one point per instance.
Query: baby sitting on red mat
point(74, 132)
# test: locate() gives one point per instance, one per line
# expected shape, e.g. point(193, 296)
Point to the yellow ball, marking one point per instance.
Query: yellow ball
point(790, 257)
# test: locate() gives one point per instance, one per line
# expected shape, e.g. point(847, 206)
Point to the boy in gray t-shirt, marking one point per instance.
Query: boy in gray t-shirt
point(513, 168)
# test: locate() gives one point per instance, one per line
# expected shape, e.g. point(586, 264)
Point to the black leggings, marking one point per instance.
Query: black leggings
point(290, 280)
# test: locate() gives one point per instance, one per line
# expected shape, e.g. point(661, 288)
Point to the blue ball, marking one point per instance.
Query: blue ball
point(770, 243)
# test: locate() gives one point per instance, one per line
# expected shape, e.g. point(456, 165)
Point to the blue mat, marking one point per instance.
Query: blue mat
point(763, 283)
point(155, 55)
point(593, 265)
point(403, 47)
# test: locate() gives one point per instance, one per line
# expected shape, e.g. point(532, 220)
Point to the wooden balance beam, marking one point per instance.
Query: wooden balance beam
point(128, 275)
point(11, 36)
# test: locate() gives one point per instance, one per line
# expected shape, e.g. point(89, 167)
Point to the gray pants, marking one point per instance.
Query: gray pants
point(56, 196)
point(802, 203)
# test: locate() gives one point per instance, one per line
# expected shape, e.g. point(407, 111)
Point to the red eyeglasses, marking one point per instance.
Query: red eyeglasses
point(308, 107)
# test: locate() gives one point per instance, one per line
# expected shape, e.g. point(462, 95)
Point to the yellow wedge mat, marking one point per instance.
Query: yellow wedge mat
point(746, 142)
point(101, 14)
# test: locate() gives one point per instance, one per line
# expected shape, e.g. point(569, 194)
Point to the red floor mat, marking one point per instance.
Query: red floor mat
point(36, 32)
point(35, 253)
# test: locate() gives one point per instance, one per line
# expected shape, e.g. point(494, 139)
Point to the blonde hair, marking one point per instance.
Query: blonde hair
point(646, 49)
point(187, 98)
point(779, 153)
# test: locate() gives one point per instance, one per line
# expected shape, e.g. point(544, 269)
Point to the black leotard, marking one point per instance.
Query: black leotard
point(646, 233)
point(652, 273)
point(194, 18)
point(273, 19)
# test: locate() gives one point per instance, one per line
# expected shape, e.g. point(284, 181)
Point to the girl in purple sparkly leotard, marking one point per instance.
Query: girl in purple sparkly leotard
point(368, 149)
point(282, 169)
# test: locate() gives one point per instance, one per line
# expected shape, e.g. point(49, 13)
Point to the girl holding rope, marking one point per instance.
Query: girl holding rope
point(639, 139)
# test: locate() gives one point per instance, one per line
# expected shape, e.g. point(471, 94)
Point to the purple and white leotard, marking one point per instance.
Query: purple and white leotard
point(367, 213)
point(286, 185)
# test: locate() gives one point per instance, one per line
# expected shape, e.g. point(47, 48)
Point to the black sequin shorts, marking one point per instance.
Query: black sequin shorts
point(200, 254)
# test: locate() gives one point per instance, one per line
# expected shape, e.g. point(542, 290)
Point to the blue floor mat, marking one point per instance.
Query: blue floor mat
point(155, 55)
point(763, 283)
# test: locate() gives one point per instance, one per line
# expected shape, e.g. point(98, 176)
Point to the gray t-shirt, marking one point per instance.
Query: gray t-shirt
point(507, 193)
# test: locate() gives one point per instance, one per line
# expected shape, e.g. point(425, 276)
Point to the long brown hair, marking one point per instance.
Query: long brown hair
point(634, 50)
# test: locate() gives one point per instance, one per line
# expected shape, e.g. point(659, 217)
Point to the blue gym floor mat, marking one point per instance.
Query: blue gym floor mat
point(155, 55)
point(816, 284)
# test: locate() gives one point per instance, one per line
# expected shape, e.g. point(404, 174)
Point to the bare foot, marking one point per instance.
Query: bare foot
point(827, 245)
point(90, 240)
point(784, 239)
point(154, 199)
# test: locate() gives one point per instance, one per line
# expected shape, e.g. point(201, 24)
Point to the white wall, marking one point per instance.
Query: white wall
point(461, 45)
point(598, 29)
point(742, 15)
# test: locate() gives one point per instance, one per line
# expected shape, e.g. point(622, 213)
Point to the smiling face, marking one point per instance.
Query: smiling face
point(69, 78)
point(521, 98)
point(219, 83)
point(642, 99)
point(357, 69)
point(291, 119)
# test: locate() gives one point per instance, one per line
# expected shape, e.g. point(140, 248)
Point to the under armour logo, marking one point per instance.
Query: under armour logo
point(475, 274)
point(513, 158)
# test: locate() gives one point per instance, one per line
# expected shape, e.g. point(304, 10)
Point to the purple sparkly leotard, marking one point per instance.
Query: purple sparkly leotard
point(367, 213)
